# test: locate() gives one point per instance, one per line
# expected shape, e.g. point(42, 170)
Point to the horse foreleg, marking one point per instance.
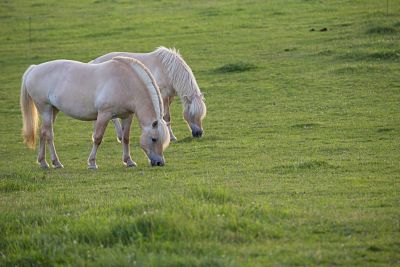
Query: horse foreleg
point(167, 117)
point(126, 128)
point(100, 127)
point(118, 129)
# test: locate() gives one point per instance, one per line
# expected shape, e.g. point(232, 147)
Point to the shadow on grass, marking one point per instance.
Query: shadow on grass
point(357, 68)
point(190, 139)
point(386, 55)
point(381, 30)
point(385, 130)
point(235, 67)
point(311, 165)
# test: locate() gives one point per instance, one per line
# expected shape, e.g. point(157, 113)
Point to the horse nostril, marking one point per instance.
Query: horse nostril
point(197, 133)
point(157, 163)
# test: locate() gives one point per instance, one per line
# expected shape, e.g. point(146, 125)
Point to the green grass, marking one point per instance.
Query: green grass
point(236, 67)
point(299, 164)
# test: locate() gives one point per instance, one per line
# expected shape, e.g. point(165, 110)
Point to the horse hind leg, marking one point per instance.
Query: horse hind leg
point(118, 129)
point(41, 159)
point(48, 115)
point(53, 154)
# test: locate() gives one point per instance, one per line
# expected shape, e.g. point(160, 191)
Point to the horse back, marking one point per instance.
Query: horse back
point(151, 61)
point(77, 89)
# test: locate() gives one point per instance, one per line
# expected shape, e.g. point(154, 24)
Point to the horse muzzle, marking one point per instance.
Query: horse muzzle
point(197, 132)
point(158, 161)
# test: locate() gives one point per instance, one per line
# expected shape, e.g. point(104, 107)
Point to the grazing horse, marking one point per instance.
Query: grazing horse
point(117, 88)
point(174, 77)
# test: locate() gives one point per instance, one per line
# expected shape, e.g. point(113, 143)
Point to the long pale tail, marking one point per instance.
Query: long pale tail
point(29, 113)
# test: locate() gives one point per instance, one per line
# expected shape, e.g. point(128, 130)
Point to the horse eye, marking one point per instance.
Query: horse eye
point(154, 139)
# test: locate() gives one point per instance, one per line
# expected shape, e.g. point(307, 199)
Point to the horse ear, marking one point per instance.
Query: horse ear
point(154, 124)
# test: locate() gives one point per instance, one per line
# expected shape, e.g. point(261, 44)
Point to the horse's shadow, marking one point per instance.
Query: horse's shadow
point(190, 139)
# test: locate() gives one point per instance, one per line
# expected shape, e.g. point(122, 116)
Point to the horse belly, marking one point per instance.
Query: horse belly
point(74, 103)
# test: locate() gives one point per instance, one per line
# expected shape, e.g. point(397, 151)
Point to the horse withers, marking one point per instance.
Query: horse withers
point(174, 77)
point(117, 88)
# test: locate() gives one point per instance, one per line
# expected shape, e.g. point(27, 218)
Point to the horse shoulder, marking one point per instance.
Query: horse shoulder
point(116, 78)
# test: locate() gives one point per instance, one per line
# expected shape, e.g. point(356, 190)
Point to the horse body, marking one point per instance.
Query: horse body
point(66, 94)
point(117, 88)
point(174, 77)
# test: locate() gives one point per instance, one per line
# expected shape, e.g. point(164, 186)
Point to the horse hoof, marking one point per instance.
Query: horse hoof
point(44, 166)
point(93, 167)
point(58, 166)
point(130, 164)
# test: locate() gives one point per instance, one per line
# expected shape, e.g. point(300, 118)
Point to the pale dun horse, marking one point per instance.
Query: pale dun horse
point(117, 88)
point(174, 77)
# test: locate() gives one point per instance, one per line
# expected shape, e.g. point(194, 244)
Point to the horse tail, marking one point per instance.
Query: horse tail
point(29, 113)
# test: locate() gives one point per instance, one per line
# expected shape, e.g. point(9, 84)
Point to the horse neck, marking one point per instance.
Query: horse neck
point(146, 101)
point(144, 110)
point(180, 76)
point(184, 84)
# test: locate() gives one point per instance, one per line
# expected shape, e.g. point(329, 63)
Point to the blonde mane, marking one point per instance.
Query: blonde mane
point(145, 75)
point(178, 71)
point(152, 87)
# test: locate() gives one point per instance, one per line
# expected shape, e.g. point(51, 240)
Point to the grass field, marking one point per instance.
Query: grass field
point(299, 164)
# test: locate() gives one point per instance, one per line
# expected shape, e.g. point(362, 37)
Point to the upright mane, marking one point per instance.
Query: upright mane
point(178, 71)
point(148, 79)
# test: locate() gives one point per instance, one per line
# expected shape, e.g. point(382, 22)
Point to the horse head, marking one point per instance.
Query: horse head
point(154, 140)
point(194, 113)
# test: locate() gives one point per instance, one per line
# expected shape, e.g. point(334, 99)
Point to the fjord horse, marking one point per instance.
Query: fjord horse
point(174, 77)
point(118, 88)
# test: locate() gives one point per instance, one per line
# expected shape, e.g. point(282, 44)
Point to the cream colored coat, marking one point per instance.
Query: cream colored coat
point(174, 77)
point(115, 89)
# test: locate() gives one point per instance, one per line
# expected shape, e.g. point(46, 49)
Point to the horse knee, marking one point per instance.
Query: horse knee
point(125, 140)
point(49, 136)
point(45, 133)
point(97, 140)
point(42, 133)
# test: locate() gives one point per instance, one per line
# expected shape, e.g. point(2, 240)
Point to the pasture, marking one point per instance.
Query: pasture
point(298, 164)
